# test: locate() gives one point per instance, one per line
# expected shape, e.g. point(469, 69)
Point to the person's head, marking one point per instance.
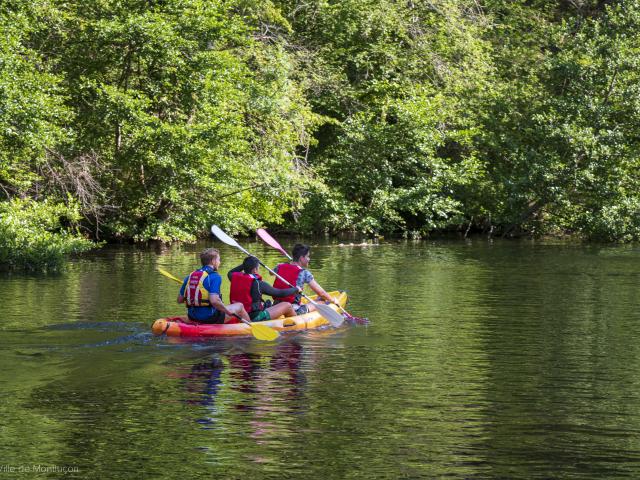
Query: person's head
point(210, 256)
point(300, 254)
point(250, 265)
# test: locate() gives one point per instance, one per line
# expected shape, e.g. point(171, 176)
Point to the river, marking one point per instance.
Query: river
point(482, 359)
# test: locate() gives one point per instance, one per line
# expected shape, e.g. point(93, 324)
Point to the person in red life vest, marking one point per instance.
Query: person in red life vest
point(296, 273)
point(200, 291)
point(247, 288)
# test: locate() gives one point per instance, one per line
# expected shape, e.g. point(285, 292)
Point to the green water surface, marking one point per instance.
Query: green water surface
point(482, 360)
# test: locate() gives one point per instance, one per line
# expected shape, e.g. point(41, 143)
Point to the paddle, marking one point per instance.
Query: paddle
point(325, 310)
point(272, 242)
point(261, 332)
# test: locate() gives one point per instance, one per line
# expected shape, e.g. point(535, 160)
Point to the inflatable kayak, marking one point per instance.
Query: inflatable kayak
point(183, 327)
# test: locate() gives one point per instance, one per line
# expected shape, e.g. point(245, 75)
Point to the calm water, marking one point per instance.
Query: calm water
point(482, 360)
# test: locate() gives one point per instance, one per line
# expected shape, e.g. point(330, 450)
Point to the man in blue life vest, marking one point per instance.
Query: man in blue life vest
point(296, 273)
point(201, 293)
point(247, 288)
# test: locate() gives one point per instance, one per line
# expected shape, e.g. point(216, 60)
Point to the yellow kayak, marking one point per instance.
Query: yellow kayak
point(183, 327)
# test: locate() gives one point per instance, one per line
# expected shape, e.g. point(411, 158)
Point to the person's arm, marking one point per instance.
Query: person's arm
point(216, 302)
point(307, 277)
point(232, 271)
point(181, 294)
point(315, 286)
point(275, 269)
point(213, 284)
point(267, 289)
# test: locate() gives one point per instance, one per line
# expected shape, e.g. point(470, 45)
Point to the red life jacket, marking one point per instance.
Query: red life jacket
point(289, 272)
point(195, 294)
point(241, 291)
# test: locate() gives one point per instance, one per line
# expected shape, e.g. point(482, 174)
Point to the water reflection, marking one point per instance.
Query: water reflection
point(264, 386)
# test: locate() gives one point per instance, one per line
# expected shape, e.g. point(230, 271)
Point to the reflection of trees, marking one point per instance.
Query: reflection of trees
point(560, 360)
point(101, 414)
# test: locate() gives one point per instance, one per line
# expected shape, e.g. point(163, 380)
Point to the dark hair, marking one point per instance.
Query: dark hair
point(299, 250)
point(207, 256)
point(249, 264)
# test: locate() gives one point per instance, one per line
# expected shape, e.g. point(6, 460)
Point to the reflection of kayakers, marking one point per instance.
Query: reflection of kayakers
point(204, 374)
point(279, 377)
point(287, 359)
point(200, 291)
point(247, 288)
point(244, 368)
point(296, 273)
point(269, 386)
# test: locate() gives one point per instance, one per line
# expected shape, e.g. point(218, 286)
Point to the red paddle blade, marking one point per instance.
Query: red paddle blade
point(272, 242)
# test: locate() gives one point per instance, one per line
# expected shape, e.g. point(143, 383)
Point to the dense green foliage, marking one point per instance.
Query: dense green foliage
point(37, 235)
point(156, 119)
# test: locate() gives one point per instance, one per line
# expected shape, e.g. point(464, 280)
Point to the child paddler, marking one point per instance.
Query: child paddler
point(247, 288)
point(296, 273)
point(200, 292)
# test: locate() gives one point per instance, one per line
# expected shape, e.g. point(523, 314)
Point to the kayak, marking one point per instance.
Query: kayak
point(183, 327)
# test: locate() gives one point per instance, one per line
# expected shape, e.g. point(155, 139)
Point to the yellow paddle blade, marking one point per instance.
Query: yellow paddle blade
point(168, 275)
point(262, 332)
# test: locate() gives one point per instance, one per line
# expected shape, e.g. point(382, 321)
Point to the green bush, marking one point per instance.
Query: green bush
point(37, 235)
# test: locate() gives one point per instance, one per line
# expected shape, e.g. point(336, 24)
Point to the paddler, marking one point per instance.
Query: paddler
point(296, 273)
point(201, 293)
point(247, 288)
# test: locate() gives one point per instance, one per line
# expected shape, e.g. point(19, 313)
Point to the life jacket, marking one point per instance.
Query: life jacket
point(195, 294)
point(289, 272)
point(241, 291)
